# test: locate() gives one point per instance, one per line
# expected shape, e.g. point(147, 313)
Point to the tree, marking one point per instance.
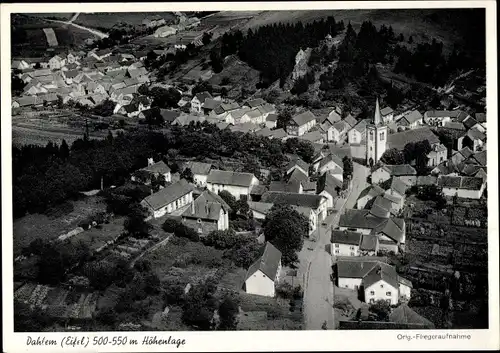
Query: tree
point(143, 89)
point(64, 150)
point(348, 167)
point(164, 97)
point(188, 175)
point(135, 224)
point(251, 165)
point(284, 116)
point(244, 253)
point(221, 239)
point(285, 228)
point(158, 182)
point(199, 306)
point(105, 108)
point(228, 313)
point(382, 309)
point(393, 156)
point(230, 200)
point(206, 39)
point(410, 40)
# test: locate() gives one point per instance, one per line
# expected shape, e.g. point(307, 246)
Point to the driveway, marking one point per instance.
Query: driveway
point(316, 264)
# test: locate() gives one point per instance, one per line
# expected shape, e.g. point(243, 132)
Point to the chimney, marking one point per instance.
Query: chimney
point(361, 265)
point(192, 207)
point(152, 191)
point(206, 207)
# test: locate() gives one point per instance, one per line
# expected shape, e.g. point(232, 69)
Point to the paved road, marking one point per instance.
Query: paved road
point(317, 263)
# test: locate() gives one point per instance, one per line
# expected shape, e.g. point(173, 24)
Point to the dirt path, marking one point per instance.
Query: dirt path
point(153, 248)
point(93, 31)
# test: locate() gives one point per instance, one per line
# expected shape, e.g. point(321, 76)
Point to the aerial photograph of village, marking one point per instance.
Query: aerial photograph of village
point(249, 170)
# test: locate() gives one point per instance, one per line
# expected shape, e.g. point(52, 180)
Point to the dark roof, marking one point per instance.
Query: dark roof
point(169, 115)
point(198, 167)
point(400, 170)
point(442, 113)
point(350, 120)
point(361, 125)
point(372, 191)
point(475, 134)
point(258, 190)
point(230, 178)
point(311, 136)
point(346, 237)
point(469, 122)
point(202, 96)
point(480, 157)
point(169, 194)
point(253, 103)
point(328, 183)
point(281, 186)
point(278, 133)
point(272, 117)
point(386, 111)
point(454, 125)
point(360, 219)
point(356, 268)
point(403, 314)
point(481, 117)
point(206, 206)
point(303, 200)
point(211, 103)
point(298, 162)
point(158, 167)
point(411, 117)
point(466, 152)
point(303, 118)
point(393, 228)
point(331, 157)
point(379, 211)
point(426, 180)
point(381, 272)
point(382, 202)
point(400, 139)
point(268, 263)
point(399, 186)
point(297, 176)
point(368, 242)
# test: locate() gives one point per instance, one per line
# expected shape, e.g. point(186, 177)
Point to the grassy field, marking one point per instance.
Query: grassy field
point(47, 227)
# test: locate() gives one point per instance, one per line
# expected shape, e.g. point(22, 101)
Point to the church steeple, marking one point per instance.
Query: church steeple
point(376, 117)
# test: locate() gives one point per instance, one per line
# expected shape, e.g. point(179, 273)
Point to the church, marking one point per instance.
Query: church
point(376, 139)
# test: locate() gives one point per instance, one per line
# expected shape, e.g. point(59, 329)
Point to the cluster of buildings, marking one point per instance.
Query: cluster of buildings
point(84, 78)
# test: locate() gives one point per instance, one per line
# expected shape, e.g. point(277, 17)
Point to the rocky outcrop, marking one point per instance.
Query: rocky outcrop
point(301, 60)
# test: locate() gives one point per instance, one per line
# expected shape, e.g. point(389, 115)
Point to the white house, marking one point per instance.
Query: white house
point(410, 120)
point(333, 165)
point(387, 115)
point(271, 121)
point(297, 163)
point(338, 131)
point(368, 194)
point(200, 172)
point(264, 273)
point(301, 123)
point(207, 213)
point(165, 31)
point(350, 243)
point(169, 199)
point(437, 155)
point(464, 187)
point(438, 117)
point(376, 280)
point(156, 169)
point(237, 184)
point(198, 100)
point(405, 172)
point(57, 62)
point(357, 134)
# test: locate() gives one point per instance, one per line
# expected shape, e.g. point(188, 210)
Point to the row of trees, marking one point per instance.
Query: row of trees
point(413, 151)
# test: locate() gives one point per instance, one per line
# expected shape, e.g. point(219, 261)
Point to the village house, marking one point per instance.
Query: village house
point(358, 133)
point(297, 163)
point(253, 116)
point(266, 109)
point(405, 172)
point(437, 155)
point(200, 172)
point(237, 184)
point(475, 139)
point(334, 116)
point(331, 164)
point(24, 101)
point(410, 120)
point(329, 187)
point(439, 117)
point(210, 104)
point(57, 62)
point(236, 115)
point(184, 120)
point(145, 174)
point(263, 274)
point(301, 123)
point(338, 131)
point(222, 111)
point(461, 186)
point(398, 188)
point(391, 232)
point(207, 213)
point(349, 243)
point(198, 100)
point(100, 55)
point(400, 139)
point(245, 128)
point(271, 121)
point(374, 279)
point(169, 199)
point(153, 22)
point(387, 115)
point(318, 203)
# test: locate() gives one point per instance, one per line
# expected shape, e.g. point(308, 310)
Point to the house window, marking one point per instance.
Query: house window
point(441, 159)
point(351, 248)
point(199, 220)
point(382, 136)
point(336, 245)
point(372, 292)
point(352, 254)
point(372, 301)
point(388, 294)
point(381, 286)
point(337, 251)
point(371, 136)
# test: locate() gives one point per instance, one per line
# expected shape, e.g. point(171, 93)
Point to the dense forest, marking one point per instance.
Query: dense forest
point(271, 49)
point(46, 176)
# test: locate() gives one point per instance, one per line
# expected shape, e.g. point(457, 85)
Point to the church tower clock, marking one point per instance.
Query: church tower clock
point(376, 139)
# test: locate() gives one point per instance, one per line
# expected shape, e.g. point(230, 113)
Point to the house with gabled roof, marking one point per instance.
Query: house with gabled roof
point(462, 186)
point(387, 115)
point(313, 136)
point(475, 139)
point(332, 164)
point(145, 174)
point(200, 171)
point(403, 171)
point(266, 109)
point(350, 243)
point(410, 120)
point(207, 213)
point(297, 163)
point(253, 116)
point(24, 101)
point(271, 121)
point(317, 203)
point(236, 183)
point(328, 186)
point(301, 123)
point(198, 101)
point(57, 62)
point(169, 199)
point(263, 274)
point(439, 117)
point(333, 117)
point(357, 134)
